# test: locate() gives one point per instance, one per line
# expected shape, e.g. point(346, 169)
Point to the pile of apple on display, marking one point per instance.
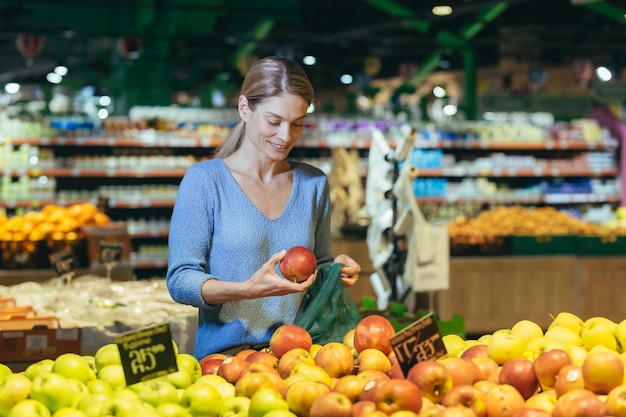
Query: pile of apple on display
point(575, 368)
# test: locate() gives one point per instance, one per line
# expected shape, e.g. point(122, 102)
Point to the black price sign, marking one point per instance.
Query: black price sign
point(147, 354)
point(418, 342)
point(64, 262)
point(110, 252)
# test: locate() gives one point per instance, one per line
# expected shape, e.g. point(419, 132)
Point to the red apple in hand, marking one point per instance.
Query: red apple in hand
point(298, 264)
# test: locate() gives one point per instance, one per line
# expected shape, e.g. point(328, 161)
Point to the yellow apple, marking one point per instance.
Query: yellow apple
point(526, 330)
point(503, 346)
point(598, 332)
point(454, 344)
point(564, 335)
point(567, 320)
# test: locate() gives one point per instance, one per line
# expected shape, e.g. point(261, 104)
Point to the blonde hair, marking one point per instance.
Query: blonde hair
point(268, 77)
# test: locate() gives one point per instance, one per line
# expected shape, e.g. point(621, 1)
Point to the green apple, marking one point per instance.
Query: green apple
point(34, 369)
point(113, 374)
point(564, 335)
point(567, 319)
point(172, 410)
point(598, 333)
point(503, 346)
point(68, 412)
point(126, 392)
point(53, 390)
point(29, 408)
point(108, 354)
point(526, 330)
point(190, 364)
point(72, 365)
point(226, 389)
point(236, 407)
point(265, 400)
point(91, 403)
point(122, 407)
point(202, 400)
point(13, 389)
point(5, 370)
point(157, 392)
point(91, 361)
point(280, 413)
point(99, 385)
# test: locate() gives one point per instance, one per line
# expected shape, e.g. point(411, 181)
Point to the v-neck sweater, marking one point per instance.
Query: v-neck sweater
point(216, 232)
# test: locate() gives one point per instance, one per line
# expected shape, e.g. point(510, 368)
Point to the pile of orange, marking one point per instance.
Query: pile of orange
point(53, 222)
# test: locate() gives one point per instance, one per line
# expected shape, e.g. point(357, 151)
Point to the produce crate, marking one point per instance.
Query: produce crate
point(597, 246)
point(22, 347)
point(495, 246)
point(544, 245)
point(23, 254)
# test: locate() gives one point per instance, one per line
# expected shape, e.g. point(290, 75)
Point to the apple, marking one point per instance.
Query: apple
point(202, 400)
point(468, 396)
point(456, 411)
point(570, 377)
point(350, 386)
point(37, 368)
point(189, 365)
point(485, 364)
point(225, 388)
point(369, 389)
point(577, 354)
point(363, 408)
point(373, 375)
point(99, 386)
point(270, 372)
point(474, 351)
point(52, 390)
point(210, 366)
point(373, 359)
point(113, 374)
point(567, 319)
point(236, 407)
point(527, 330)
point(542, 401)
point(536, 346)
point(287, 337)
point(598, 331)
point(616, 401)
point(454, 344)
point(301, 395)
point(374, 331)
point(504, 401)
point(432, 378)
point(602, 371)
point(398, 394)
point(122, 407)
point(172, 410)
point(232, 368)
point(485, 385)
point(520, 373)
point(13, 389)
point(462, 371)
point(298, 264)
point(564, 335)
point(91, 403)
point(72, 365)
point(4, 370)
point(29, 408)
point(68, 412)
point(263, 357)
point(547, 365)
point(158, 391)
point(579, 402)
point(333, 404)
point(531, 412)
point(108, 354)
point(403, 413)
point(313, 373)
point(348, 340)
point(396, 371)
point(336, 359)
point(280, 413)
point(250, 383)
point(620, 333)
point(290, 358)
point(503, 346)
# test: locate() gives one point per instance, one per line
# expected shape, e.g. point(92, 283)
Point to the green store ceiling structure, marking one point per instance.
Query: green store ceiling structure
point(147, 50)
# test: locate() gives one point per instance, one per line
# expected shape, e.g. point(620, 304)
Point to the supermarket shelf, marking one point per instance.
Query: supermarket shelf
point(149, 233)
point(142, 203)
point(121, 142)
point(101, 173)
point(510, 172)
point(540, 199)
point(149, 263)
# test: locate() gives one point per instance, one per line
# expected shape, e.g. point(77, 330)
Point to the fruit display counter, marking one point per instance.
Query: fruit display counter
point(575, 367)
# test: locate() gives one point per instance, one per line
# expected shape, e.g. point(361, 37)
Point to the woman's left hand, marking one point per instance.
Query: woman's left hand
point(350, 271)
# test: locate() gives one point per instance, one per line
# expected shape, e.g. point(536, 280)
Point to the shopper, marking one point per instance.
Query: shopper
point(237, 214)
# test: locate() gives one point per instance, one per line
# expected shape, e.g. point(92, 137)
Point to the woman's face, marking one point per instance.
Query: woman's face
point(274, 126)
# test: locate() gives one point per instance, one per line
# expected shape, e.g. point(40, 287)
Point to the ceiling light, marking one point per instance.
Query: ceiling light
point(60, 70)
point(346, 79)
point(442, 10)
point(12, 88)
point(439, 91)
point(103, 114)
point(104, 101)
point(604, 74)
point(449, 109)
point(53, 78)
point(309, 60)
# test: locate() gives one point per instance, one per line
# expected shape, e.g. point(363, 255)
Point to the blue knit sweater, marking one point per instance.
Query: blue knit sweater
point(217, 232)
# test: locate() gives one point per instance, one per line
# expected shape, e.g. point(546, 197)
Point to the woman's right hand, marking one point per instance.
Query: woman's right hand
point(266, 282)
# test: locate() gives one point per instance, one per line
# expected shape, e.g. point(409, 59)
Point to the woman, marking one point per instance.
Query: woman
point(236, 215)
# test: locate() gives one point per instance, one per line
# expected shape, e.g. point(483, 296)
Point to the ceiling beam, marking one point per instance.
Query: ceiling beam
point(607, 10)
point(256, 35)
point(401, 12)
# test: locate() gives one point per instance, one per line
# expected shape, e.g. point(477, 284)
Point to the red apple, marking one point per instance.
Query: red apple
point(369, 389)
point(531, 412)
point(432, 378)
point(263, 357)
point(544, 400)
point(396, 370)
point(602, 371)
point(251, 382)
point(243, 354)
point(398, 394)
point(336, 359)
point(456, 411)
point(232, 368)
point(520, 373)
point(547, 365)
point(274, 376)
point(302, 394)
point(486, 365)
point(475, 351)
point(374, 331)
point(350, 386)
point(333, 404)
point(468, 396)
point(291, 358)
point(373, 359)
point(462, 371)
point(484, 385)
point(287, 337)
point(363, 407)
point(579, 402)
point(503, 401)
point(298, 264)
point(210, 366)
point(570, 377)
point(616, 401)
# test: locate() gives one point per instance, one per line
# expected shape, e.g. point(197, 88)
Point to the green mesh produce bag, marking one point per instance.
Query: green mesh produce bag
point(328, 311)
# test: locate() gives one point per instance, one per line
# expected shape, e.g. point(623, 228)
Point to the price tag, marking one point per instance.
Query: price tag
point(110, 252)
point(418, 342)
point(147, 354)
point(63, 262)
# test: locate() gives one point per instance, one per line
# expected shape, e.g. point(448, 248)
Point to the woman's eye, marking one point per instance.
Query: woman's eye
point(273, 123)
